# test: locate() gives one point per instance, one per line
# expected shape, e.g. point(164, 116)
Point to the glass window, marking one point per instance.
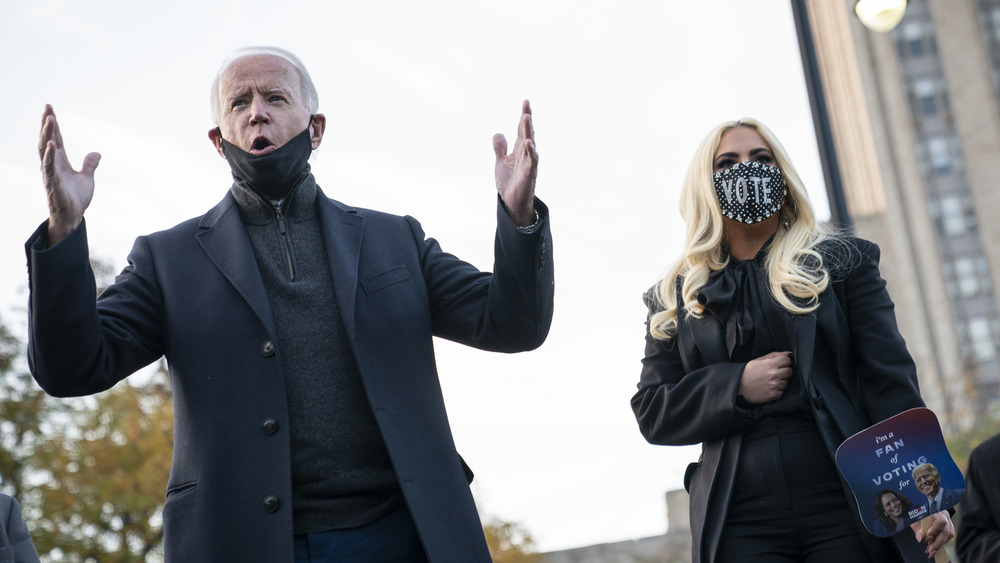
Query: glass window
point(981, 339)
point(912, 30)
point(983, 271)
point(940, 159)
point(965, 275)
point(924, 90)
point(952, 219)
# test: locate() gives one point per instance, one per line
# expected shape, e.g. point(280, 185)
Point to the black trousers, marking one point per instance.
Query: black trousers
point(788, 504)
point(390, 539)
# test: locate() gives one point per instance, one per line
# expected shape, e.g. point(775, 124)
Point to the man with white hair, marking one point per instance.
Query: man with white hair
point(927, 479)
point(309, 420)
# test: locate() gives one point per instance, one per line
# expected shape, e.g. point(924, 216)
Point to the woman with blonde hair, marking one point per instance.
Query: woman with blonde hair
point(769, 342)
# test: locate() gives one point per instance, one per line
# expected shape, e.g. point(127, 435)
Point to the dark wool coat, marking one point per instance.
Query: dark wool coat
point(194, 294)
point(978, 539)
point(848, 355)
point(15, 541)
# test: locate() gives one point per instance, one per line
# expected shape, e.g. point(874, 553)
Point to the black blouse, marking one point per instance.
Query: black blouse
point(739, 297)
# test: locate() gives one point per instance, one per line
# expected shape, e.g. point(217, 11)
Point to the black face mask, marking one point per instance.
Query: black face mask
point(275, 173)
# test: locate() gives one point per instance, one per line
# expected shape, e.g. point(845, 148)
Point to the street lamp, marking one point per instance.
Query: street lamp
point(840, 216)
point(880, 15)
point(877, 15)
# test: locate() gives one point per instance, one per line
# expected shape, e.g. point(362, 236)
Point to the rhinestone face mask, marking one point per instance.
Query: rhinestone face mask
point(750, 192)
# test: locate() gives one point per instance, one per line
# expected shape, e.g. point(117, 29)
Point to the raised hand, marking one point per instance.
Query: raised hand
point(766, 378)
point(516, 172)
point(69, 191)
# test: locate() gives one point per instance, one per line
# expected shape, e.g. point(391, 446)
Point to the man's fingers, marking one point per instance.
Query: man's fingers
point(50, 132)
point(48, 151)
point(500, 146)
point(525, 129)
point(90, 163)
point(529, 149)
point(529, 153)
point(56, 132)
point(45, 135)
point(46, 113)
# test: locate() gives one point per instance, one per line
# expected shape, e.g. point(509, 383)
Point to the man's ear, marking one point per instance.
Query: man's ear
point(316, 129)
point(216, 139)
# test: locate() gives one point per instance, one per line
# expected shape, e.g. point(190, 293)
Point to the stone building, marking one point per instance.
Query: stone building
point(916, 126)
point(672, 547)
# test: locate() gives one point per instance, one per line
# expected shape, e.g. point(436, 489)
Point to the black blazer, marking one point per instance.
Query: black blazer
point(849, 355)
point(194, 294)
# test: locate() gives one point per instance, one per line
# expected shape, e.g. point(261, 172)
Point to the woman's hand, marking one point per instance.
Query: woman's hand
point(766, 378)
point(936, 530)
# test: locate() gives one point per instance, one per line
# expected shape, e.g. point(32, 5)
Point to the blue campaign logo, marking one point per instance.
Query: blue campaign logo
point(900, 471)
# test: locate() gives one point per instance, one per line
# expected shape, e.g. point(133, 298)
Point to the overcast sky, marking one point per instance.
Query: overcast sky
point(622, 91)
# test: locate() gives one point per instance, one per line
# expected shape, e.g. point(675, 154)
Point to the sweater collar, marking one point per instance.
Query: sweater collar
point(298, 205)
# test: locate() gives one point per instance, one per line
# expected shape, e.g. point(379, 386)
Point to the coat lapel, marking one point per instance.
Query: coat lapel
point(705, 344)
point(225, 242)
point(707, 341)
point(834, 329)
point(343, 230)
point(803, 331)
point(224, 239)
point(827, 384)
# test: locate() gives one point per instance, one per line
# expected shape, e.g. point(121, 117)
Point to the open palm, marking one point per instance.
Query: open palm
point(69, 191)
point(516, 172)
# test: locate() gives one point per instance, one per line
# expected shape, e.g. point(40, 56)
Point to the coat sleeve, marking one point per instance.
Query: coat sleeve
point(18, 540)
point(79, 344)
point(979, 524)
point(886, 373)
point(677, 408)
point(509, 310)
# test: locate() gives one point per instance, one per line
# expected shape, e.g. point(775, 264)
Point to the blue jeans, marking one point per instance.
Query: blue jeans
point(390, 539)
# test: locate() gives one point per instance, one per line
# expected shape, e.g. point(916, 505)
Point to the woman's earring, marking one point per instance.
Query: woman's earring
point(787, 226)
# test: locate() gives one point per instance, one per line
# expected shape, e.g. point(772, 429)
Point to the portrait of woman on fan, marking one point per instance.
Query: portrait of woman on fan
point(770, 341)
point(891, 509)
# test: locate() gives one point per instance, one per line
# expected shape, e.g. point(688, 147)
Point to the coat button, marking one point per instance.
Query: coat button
point(271, 504)
point(267, 348)
point(269, 426)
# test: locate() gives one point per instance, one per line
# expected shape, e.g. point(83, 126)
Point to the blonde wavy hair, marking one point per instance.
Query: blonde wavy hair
point(795, 269)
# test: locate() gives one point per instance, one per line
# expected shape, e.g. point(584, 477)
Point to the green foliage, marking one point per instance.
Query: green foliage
point(23, 408)
point(960, 444)
point(90, 474)
point(509, 542)
point(107, 465)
